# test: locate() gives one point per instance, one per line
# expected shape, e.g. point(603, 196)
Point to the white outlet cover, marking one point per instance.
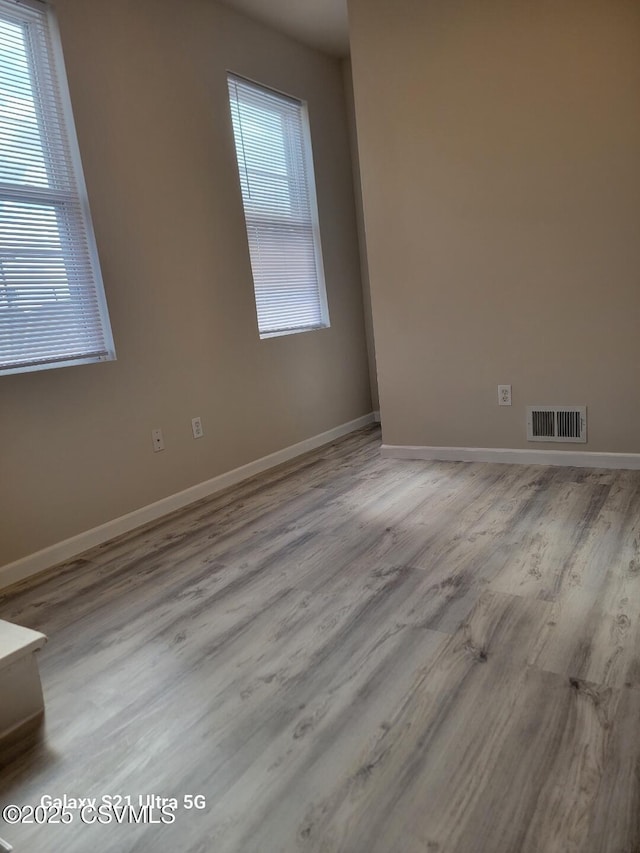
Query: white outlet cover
point(504, 395)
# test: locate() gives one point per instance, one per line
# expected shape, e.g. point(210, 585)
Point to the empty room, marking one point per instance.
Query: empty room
point(319, 426)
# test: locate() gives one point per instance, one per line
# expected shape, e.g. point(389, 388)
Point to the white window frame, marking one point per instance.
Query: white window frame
point(265, 328)
point(47, 68)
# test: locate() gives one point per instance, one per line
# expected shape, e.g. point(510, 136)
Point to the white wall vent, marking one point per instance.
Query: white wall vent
point(557, 423)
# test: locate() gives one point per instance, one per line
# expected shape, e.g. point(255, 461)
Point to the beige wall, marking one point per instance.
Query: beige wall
point(362, 237)
point(148, 85)
point(499, 147)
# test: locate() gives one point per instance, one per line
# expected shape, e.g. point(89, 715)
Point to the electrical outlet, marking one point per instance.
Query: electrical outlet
point(196, 427)
point(504, 395)
point(158, 440)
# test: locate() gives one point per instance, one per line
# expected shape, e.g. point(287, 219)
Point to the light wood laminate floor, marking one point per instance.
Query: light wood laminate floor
point(351, 654)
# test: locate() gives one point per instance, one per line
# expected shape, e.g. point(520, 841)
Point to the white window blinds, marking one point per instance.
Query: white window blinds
point(52, 307)
point(273, 149)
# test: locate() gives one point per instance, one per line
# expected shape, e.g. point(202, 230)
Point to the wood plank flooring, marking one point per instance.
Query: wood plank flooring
point(351, 654)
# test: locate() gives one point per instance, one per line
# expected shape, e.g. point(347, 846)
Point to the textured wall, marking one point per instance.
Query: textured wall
point(499, 152)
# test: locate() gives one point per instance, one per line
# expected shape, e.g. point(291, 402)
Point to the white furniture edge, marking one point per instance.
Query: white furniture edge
point(17, 641)
point(513, 456)
point(66, 550)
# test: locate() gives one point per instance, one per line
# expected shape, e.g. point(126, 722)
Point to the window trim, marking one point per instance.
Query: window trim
point(321, 286)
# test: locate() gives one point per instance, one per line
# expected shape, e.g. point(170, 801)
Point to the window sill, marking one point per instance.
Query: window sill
point(283, 332)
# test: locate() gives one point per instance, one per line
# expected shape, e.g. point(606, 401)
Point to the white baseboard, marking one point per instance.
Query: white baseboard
point(40, 561)
point(575, 458)
point(376, 417)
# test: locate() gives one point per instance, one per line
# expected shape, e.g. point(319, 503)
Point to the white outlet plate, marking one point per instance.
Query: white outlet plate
point(504, 395)
point(196, 427)
point(158, 440)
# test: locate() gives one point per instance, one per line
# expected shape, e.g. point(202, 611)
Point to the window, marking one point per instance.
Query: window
point(52, 307)
point(273, 147)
